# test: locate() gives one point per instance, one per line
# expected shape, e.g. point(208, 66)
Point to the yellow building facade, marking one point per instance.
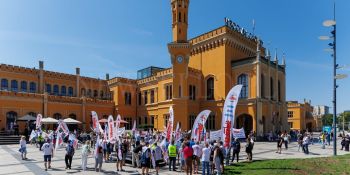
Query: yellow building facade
point(30, 91)
point(300, 116)
point(203, 71)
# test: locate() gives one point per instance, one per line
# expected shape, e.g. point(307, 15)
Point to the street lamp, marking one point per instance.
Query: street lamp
point(332, 23)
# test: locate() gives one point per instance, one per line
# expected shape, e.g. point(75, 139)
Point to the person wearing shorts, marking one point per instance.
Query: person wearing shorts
point(47, 148)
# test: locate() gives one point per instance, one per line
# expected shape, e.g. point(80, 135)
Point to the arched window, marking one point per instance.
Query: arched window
point(4, 84)
point(262, 85)
point(185, 17)
point(89, 92)
point(179, 16)
point(24, 86)
point(95, 93)
point(14, 85)
point(70, 91)
point(63, 90)
point(11, 117)
point(271, 88)
point(55, 89)
point(57, 116)
point(210, 123)
point(83, 92)
point(210, 88)
point(32, 87)
point(279, 91)
point(101, 94)
point(32, 114)
point(72, 116)
point(243, 80)
point(48, 88)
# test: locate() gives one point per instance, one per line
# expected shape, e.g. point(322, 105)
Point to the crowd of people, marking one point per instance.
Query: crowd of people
point(153, 150)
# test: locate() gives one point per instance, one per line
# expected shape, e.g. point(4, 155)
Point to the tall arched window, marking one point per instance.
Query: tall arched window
point(24, 86)
point(63, 90)
point(101, 94)
point(279, 91)
point(55, 89)
point(14, 85)
point(11, 117)
point(95, 93)
point(179, 16)
point(210, 88)
point(83, 92)
point(271, 88)
point(4, 84)
point(89, 93)
point(32, 87)
point(243, 80)
point(48, 88)
point(70, 91)
point(262, 85)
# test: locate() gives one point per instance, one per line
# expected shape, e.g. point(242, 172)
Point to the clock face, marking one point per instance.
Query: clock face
point(179, 59)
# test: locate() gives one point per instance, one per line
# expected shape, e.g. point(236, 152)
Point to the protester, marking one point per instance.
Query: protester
point(23, 147)
point(249, 149)
point(69, 155)
point(47, 148)
point(40, 140)
point(306, 141)
point(98, 157)
point(188, 154)
point(145, 159)
point(135, 154)
point(218, 157)
point(84, 155)
point(205, 159)
point(157, 154)
point(181, 157)
point(172, 155)
point(197, 153)
point(236, 148)
point(124, 149)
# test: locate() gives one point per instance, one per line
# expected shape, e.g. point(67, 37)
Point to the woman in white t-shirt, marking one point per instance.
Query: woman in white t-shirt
point(205, 158)
point(23, 149)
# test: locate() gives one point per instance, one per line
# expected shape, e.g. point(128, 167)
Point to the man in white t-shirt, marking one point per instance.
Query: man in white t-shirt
point(47, 148)
point(205, 158)
point(197, 153)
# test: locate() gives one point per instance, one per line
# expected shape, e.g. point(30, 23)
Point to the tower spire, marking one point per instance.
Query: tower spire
point(179, 10)
point(284, 59)
point(276, 58)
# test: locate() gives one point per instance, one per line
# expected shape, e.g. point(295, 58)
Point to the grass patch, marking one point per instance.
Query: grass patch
point(311, 166)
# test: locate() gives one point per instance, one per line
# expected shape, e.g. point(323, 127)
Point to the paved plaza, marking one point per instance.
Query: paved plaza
point(11, 163)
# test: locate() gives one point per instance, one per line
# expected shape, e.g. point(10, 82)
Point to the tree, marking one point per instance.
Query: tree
point(344, 116)
point(327, 120)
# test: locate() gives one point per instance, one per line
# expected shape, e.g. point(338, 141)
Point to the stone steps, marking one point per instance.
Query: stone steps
point(9, 140)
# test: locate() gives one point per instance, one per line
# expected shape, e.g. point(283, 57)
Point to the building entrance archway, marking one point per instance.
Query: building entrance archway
point(245, 121)
point(10, 119)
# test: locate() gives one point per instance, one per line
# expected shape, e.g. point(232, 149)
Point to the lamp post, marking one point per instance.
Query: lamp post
point(332, 23)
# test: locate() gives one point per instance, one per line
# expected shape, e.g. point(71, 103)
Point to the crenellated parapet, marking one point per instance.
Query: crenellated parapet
point(18, 69)
point(224, 36)
point(58, 75)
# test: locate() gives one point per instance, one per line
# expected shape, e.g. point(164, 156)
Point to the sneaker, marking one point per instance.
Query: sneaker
point(45, 169)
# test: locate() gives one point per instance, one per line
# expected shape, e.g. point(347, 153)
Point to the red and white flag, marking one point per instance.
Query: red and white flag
point(38, 121)
point(170, 126)
point(95, 124)
point(111, 129)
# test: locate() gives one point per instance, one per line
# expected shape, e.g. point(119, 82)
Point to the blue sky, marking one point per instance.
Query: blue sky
point(119, 37)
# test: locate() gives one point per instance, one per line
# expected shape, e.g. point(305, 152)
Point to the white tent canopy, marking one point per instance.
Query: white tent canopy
point(71, 121)
point(27, 118)
point(49, 120)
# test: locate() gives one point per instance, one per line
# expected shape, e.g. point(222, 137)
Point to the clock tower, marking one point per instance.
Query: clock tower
point(180, 48)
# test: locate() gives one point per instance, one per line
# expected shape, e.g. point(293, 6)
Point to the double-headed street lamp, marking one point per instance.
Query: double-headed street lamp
point(332, 23)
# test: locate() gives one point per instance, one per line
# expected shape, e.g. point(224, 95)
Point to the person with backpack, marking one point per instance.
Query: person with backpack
point(85, 151)
point(172, 155)
point(236, 148)
point(145, 158)
point(69, 155)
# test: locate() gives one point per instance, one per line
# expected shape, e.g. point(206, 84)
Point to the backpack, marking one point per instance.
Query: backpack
point(70, 150)
point(145, 156)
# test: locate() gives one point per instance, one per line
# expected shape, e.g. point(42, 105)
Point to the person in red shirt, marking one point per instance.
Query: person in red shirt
point(188, 154)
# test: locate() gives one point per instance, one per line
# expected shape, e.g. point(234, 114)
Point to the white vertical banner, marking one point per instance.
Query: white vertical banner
point(39, 118)
point(95, 123)
point(177, 132)
point(228, 114)
point(198, 126)
point(134, 126)
point(111, 129)
point(170, 125)
point(117, 125)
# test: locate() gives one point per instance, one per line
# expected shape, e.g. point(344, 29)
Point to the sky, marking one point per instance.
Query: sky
point(120, 37)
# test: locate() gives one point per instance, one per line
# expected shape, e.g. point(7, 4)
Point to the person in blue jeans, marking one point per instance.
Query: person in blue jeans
point(205, 159)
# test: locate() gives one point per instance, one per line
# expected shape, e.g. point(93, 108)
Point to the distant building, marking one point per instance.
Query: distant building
point(320, 110)
point(300, 116)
